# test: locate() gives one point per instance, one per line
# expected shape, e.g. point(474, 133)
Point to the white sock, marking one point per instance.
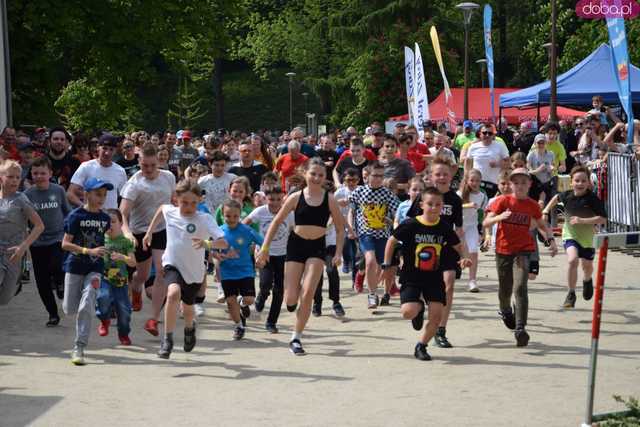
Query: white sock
point(296, 336)
point(239, 325)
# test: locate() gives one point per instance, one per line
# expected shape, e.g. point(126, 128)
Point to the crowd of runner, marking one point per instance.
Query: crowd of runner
point(112, 220)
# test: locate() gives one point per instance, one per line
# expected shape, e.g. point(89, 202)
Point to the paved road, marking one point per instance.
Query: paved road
point(358, 372)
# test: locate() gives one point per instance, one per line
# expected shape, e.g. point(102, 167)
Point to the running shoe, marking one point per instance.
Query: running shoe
point(372, 301)
point(441, 338)
point(473, 286)
point(522, 337)
point(394, 291)
point(124, 339)
point(259, 303)
point(136, 300)
point(316, 310)
point(53, 321)
point(386, 298)
point(570, 300)
point(358, 284)
point(508, 318)
point(295, 347)
point(238, 333)
point(338, 310)
point(189, 338)
point(420, 352)
point(346, 269)
point(151, 326)
point(77, 356)
point(199, 309)
point(221, 299)
point(418, 321)
point(165, 348)
point(271, 328)
point(103, 327)
point(587, 289)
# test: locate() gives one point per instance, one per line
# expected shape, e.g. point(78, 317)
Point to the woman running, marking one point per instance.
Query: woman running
point(306, 248)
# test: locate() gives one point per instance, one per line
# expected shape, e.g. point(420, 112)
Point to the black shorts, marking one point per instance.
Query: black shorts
point(433, 292)
point(188, 291)
point(158, 241)
point(243, 287)
point(300, 250)
point(449, 261)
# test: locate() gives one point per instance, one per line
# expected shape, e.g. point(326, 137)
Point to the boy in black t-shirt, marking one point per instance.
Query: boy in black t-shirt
point(424, 240)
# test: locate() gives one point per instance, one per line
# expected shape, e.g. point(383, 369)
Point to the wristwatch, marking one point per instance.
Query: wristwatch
point(384, 266)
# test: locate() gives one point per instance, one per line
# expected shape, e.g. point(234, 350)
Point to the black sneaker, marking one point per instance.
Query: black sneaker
point(522, 337)
point(441, 339)
point(418, 321)
point(246, 311)
point(386, 298)
point(271, 328)
point(238, 333)
point(53, 321)
point(316, 310)
point(338, 310)
point(165, 348)
point(570, 300)
point(295, 347)
point(189, 338)
point(587, 289)
point(259, 302)
point(508, 318)
point(420, 352)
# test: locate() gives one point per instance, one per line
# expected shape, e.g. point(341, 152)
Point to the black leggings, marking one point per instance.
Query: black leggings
point(272, 277)
point(334, 279)
point(47, 269)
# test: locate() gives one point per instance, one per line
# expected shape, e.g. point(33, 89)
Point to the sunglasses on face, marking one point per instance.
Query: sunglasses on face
point(487, 133)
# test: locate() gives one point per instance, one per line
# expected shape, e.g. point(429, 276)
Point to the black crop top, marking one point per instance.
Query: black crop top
point(306, 214)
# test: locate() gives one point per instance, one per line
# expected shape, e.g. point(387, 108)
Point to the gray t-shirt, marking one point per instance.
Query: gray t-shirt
point(14, 214)
point(535, 160)
point(399, 169)
point(216, 189)
point(188, 155)
point(52, 206)
point(147, 195)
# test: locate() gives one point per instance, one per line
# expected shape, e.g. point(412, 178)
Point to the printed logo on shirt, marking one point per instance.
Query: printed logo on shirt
point(191, 228)
point(518, 219)
point(93, 223)
point(46, 205)
point(447, 210)
point(427, 256)
point(375, 215)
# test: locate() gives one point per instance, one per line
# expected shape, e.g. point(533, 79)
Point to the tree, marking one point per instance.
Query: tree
point(186, 108)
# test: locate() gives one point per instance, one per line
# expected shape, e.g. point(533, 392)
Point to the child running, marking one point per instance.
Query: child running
point(516, 214)
point(306, 247)
point(423, 239)
point(16, 211)
point(583, 210)
point(473, 203)
point(188, 232)
point(237, 271)
point(114, 289)
point(51, 204)
point(84, 232)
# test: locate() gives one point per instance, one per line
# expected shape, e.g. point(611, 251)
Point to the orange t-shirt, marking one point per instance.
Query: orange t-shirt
point(513, 236)
point(287, 166)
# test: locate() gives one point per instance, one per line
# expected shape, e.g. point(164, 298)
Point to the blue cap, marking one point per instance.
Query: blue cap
point(467, 124)
point(96, 183)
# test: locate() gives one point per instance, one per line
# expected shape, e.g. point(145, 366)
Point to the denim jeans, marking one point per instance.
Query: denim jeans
point(119, 297)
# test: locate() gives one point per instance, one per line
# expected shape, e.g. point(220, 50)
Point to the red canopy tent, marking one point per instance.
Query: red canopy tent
point(480, 108)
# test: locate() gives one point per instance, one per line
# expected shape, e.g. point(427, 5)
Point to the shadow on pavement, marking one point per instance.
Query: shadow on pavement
point(20, 410)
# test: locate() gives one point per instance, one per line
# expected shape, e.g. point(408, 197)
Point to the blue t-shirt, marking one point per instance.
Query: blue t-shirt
point(240, 266)
point(401, 212)
point(87, 229)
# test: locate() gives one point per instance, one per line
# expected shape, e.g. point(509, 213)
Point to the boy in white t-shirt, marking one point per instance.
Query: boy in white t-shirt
point(272, 274)
point(188, 232)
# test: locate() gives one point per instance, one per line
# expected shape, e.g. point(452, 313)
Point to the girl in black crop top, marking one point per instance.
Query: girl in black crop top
point(306, 246)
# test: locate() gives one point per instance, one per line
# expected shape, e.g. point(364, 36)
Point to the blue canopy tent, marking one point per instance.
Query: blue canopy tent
point(591, 76)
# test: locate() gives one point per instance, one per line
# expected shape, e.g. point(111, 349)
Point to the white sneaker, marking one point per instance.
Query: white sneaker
point(199, 309)
point(473, 286)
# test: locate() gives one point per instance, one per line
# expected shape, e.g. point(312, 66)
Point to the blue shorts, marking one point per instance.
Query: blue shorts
point(584, 253)
point(370, 243)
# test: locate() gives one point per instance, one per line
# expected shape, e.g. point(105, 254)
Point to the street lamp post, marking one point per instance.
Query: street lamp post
point(483, 64)
point(305, 95)
point(291, 75)
point(467, 10)
point(553, 116)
